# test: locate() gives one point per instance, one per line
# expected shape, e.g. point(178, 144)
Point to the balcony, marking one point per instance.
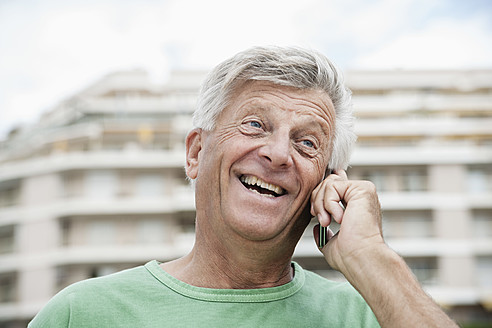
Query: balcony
point(181, 200)
point(404, 103)
point(438, 154)
point(182, 104)
point(427, 126)
point(92, 160)
point(88, 254)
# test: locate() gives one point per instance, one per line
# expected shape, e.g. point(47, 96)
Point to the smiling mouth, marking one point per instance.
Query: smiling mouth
point(261, 187)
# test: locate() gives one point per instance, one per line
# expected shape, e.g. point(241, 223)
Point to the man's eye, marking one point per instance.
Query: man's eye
point(308, 143)
point(255, 124)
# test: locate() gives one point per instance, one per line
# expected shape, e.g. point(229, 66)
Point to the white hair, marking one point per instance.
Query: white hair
point(293, 67)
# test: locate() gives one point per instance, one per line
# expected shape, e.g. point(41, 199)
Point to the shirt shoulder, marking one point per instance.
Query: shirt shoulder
point(89, 296)
point(340, 302)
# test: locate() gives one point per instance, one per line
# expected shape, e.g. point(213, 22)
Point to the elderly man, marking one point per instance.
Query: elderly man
point(273, 134)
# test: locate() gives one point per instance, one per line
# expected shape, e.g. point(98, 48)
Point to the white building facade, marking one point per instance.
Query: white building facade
point(98, 185)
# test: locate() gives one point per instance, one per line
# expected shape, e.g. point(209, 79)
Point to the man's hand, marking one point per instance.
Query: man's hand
point(359, 252)
point(360, 222)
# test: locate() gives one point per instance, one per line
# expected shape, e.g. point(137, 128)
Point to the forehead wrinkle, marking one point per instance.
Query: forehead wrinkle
point(322, 102)
point(309, 107)
point(286, 98)
point(275, 90)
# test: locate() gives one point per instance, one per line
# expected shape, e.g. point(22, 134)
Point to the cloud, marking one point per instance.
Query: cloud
point(444, 44)
point(216, 29)
point(51, 49)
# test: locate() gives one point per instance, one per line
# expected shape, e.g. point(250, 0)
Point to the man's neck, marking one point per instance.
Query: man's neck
point(216, 266)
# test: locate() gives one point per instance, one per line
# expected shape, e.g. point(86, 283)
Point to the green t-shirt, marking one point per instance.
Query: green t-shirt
point(147, 296)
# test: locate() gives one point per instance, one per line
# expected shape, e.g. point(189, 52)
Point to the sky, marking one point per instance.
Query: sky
point(51, 49)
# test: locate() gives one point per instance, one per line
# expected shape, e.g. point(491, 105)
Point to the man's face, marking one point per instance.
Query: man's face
point(256, 170)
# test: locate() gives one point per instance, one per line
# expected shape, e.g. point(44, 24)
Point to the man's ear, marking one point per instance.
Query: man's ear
point(193, 148)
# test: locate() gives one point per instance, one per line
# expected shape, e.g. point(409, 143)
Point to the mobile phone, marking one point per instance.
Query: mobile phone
point(323, 236)
point(323, 231)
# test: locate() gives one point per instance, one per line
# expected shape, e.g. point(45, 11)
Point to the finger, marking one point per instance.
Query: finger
point(333, 192)
point(325, 199)
point(314, 195)
point(317, 206)
point(342, 174)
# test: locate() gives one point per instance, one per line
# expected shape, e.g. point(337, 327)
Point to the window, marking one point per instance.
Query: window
point(118, 139)
point(9, 193)
point(102, 270)
point(150, 231)
point(72, 184)
point(484, 271)
point(149, 185)
point(482, 224)
point(101, 232)
point(8, 287)
point(408, 224)
point(424, 268)
point(66, 227)
point(319, 266)
point(377, 177)
point(101, 184)
point(480, 180)
point(413, 180)
point(7, 239)
point(186, 222)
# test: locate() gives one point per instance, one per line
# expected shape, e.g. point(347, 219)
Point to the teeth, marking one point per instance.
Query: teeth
point(256, 191)
point(252, 181)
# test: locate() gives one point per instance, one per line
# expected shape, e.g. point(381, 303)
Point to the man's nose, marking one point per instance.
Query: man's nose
point(277, 150)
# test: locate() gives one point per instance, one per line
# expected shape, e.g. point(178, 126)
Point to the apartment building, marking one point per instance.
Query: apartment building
point(98, 185)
